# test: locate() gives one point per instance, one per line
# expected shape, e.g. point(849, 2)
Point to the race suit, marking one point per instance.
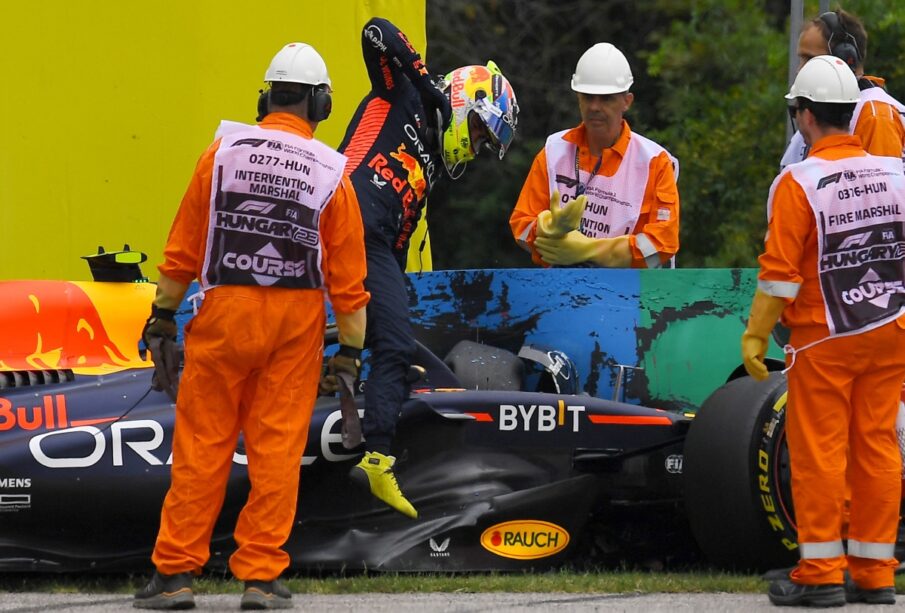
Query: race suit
point(278, 239)
point(842, 275)
point(393, 165)
point(632, 190)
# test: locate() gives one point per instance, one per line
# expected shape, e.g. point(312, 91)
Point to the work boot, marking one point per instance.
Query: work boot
point(378, 469)
point(166, 592)
point(261, 595)
point(883, 595)
point(777, 573)
point(786, 593)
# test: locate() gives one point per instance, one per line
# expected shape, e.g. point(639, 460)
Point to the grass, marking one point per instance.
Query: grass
point(620, 582)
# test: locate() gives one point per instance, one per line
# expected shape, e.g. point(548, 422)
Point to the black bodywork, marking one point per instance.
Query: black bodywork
point(503, 479)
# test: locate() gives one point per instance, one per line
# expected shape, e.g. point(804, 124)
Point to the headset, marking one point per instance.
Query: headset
point(841, 44)
point(320, 103)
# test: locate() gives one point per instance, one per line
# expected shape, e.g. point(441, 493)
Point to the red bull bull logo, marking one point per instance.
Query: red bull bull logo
point(58, 325)
point(415, 174)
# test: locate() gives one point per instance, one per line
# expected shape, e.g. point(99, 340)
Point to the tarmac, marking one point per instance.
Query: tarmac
point(496, 602)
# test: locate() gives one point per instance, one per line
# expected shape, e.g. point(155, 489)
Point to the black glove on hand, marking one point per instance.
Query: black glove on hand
point(159, 335)
point(435, 101)
point(345, 363)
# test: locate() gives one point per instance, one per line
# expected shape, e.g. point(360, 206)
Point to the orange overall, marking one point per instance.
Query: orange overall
point(253, 360)
point(660, 194)
point(880, 127)
point(843, 393)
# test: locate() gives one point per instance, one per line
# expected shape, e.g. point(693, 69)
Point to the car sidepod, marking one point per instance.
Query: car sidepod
point(501, 481)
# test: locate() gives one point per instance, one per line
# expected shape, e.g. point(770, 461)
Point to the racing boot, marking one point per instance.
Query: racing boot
point(166, 592)
point(378, 470)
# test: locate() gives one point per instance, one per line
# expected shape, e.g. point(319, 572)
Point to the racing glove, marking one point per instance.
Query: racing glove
point(559, 220)
point(435, 102)
point(159, 334)
point(765, 311)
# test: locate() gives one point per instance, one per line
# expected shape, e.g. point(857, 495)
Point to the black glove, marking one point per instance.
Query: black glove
point(345, 363)
point(159, 334)
point(436, 103)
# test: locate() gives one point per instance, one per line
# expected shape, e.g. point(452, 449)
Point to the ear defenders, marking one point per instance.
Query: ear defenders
point(320, 103)
point(263, 104)
point(841, 43)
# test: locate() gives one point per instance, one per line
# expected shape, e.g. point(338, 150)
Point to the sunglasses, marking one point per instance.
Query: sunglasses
point(793, 111)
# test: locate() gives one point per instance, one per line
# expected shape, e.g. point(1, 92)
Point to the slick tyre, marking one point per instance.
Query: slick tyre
point(737, 484)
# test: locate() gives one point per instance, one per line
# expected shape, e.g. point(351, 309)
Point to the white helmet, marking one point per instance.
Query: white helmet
point(297, 63)
point(825, 78)
point(602, 69)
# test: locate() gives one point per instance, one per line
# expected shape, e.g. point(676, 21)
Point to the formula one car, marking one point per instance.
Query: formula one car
point(510, 463)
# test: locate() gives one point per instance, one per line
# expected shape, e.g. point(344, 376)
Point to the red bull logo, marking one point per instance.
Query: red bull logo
point(56, 325)
point(479, 79)
point(50, 414)
point(415, 174)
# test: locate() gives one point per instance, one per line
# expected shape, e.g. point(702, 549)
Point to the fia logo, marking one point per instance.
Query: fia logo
point(439, 551)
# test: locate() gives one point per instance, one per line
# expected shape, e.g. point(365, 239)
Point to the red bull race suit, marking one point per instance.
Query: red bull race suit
point(393, 161)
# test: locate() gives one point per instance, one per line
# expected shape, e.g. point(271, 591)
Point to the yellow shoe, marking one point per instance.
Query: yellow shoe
point(378, 469)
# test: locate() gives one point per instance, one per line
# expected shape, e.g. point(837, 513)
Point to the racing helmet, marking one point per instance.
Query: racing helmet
point(297, 63)
point(481, 97)
point(602, 69)
point(825, 78)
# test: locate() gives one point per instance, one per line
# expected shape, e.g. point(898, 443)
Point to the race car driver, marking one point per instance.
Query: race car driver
point(406, 130)
point(265, 241)
point(833, 268)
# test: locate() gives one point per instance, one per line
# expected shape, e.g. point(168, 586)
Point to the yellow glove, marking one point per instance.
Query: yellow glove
point(573, 248)
point(765, 311)
point(559, 220)
point(352, 327)
point(169, 293)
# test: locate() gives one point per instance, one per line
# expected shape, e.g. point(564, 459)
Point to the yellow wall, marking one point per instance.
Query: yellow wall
point(107, 105)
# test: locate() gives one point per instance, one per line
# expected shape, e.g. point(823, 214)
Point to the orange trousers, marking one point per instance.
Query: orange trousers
point(843, 401)
point(252, 363)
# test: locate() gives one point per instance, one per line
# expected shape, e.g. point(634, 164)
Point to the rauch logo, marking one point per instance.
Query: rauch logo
point(524, 539)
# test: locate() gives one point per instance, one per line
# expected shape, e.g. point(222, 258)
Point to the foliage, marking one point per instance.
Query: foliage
point(710, 76)
point(723, 81)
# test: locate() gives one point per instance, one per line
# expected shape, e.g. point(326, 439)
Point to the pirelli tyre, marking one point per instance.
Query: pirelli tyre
point(737, 484)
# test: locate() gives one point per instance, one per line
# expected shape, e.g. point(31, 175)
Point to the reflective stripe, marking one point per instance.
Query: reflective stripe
point(653, 261)
point(523, 237)
point(648, 251)
point(644, 245)
point(829, 549)
point(780, 289)
point(873, 551)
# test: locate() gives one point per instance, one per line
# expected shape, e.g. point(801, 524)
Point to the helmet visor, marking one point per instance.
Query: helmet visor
point(500, 131)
